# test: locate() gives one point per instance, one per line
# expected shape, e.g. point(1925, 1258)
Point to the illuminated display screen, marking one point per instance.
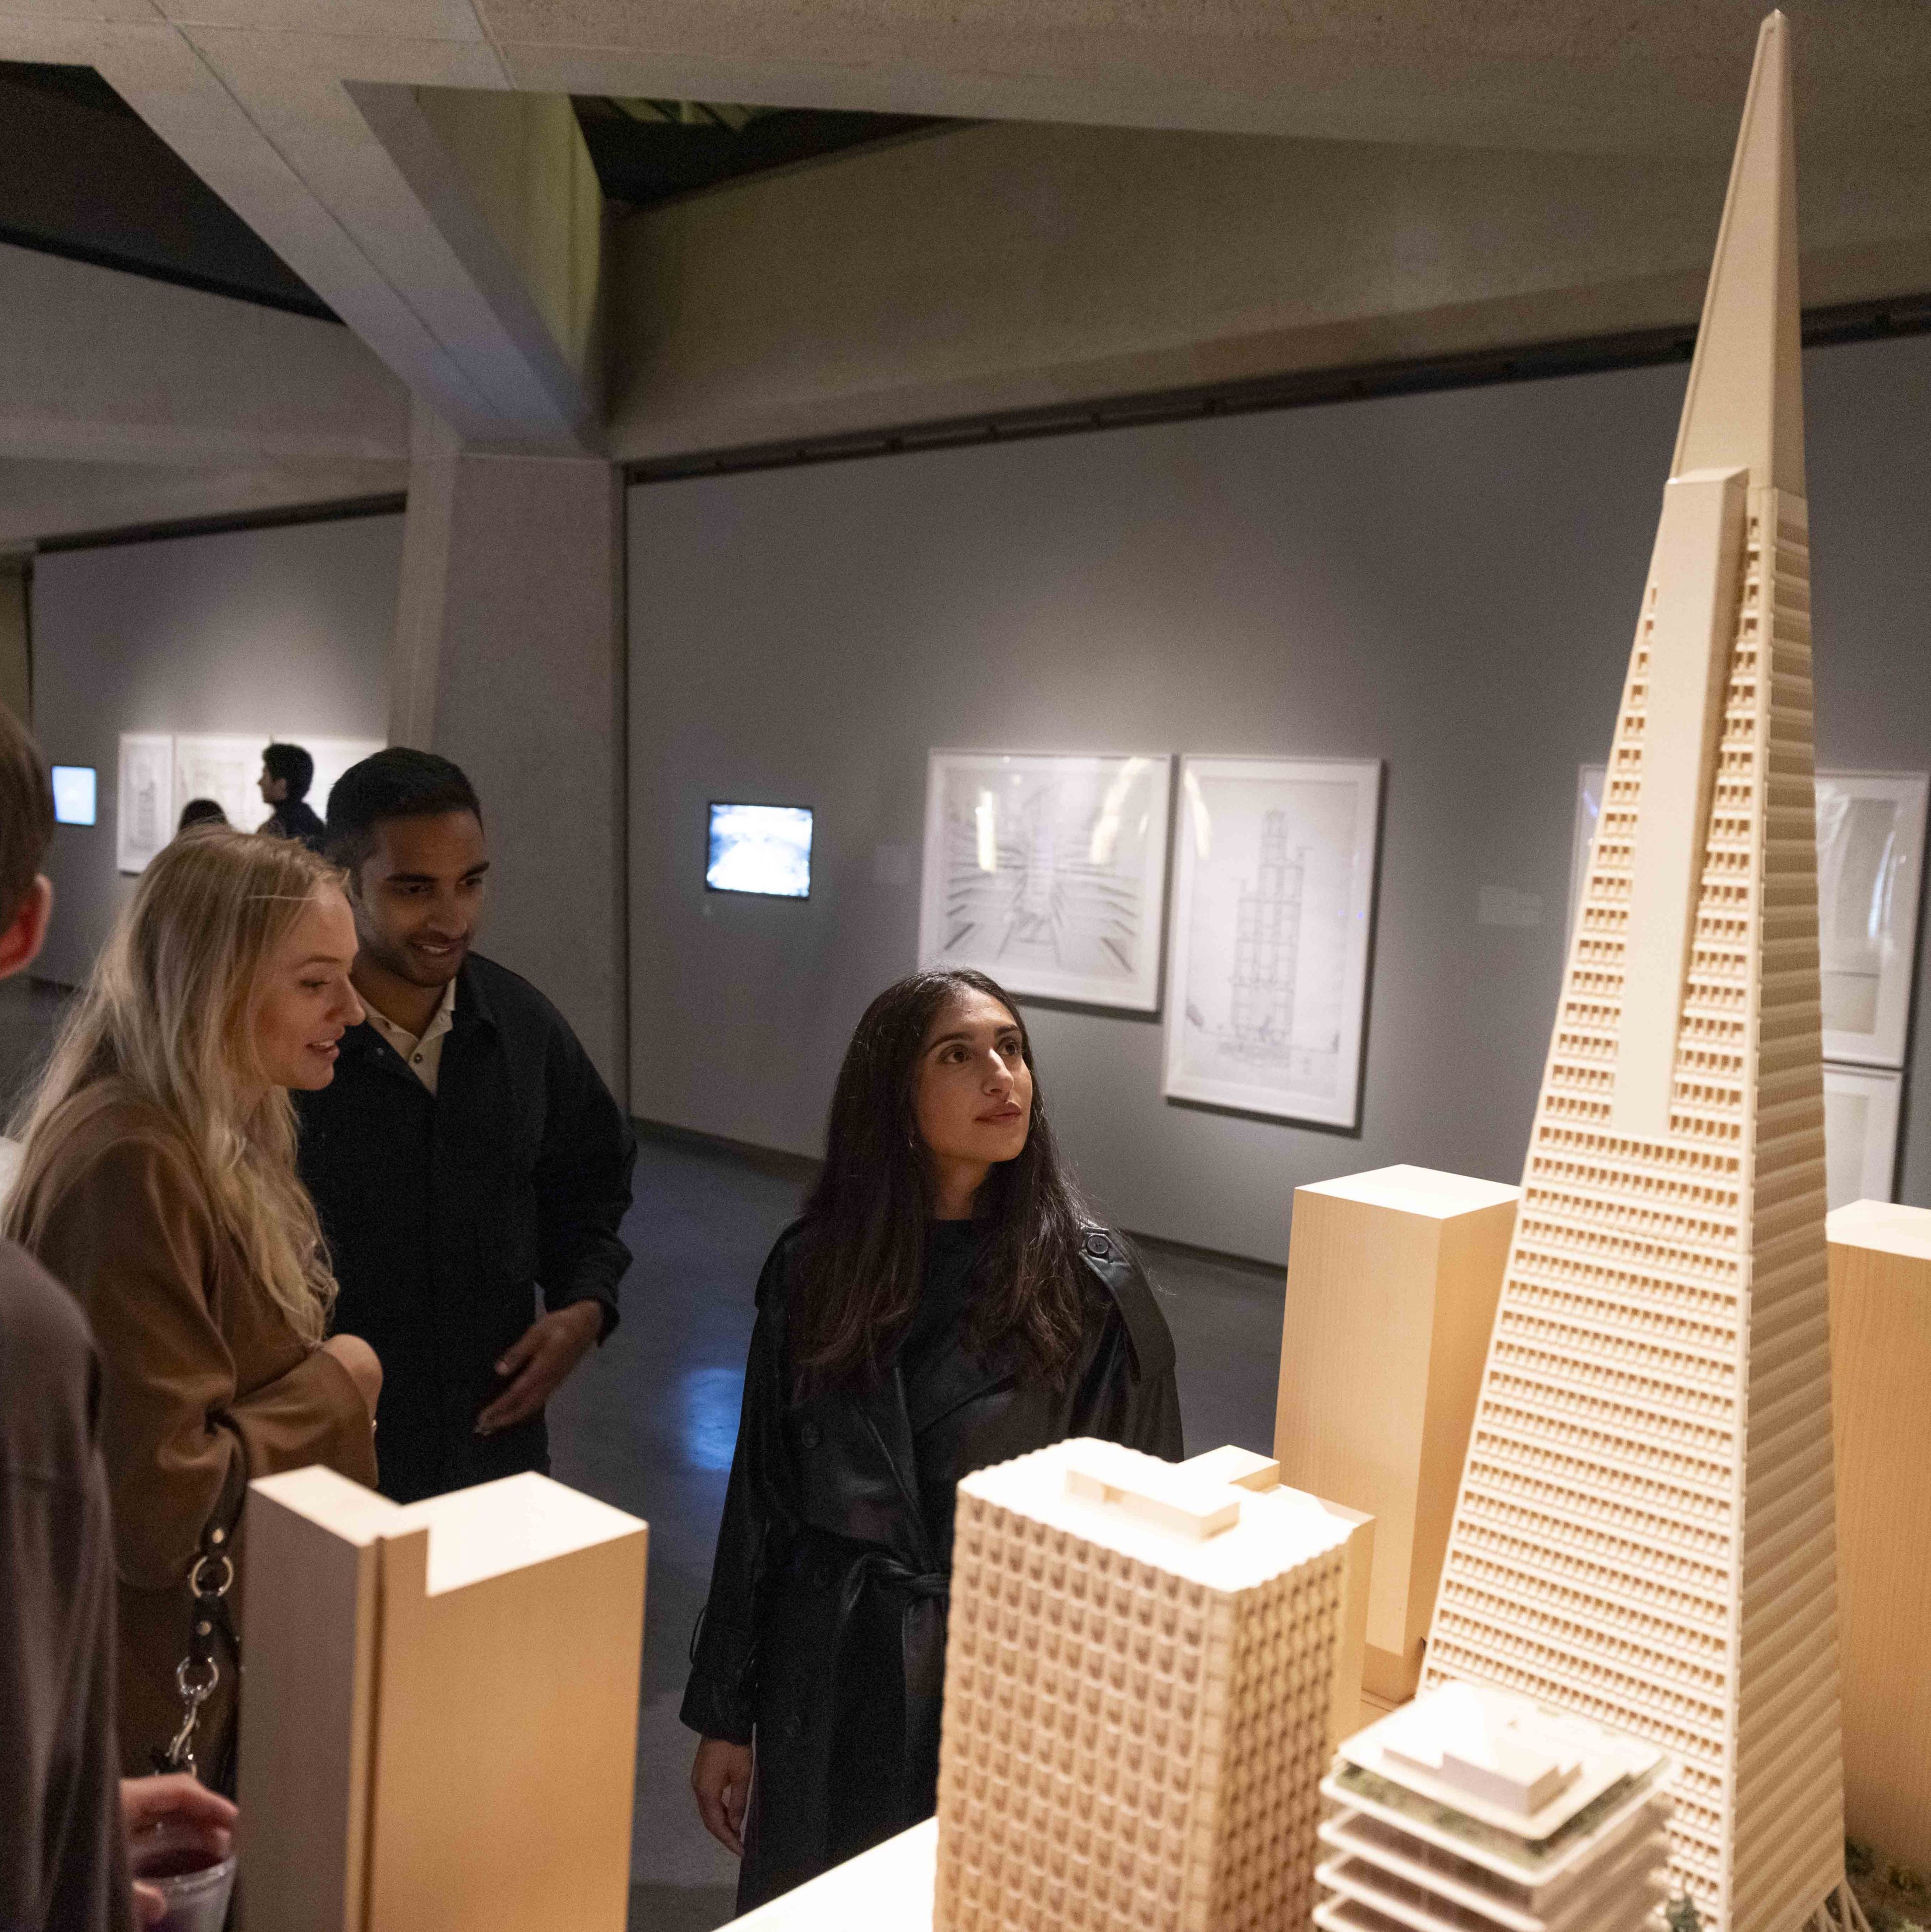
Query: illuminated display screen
point(765, 849)
point(73, 794)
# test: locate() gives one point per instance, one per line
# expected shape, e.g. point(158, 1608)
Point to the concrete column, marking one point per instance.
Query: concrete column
point(509, 658)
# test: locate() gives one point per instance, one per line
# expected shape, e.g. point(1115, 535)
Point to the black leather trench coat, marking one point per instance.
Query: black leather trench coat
point(824, 1635)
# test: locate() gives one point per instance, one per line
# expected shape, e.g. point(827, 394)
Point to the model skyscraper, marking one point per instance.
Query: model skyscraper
point(1138, 1675)
point(1645, 1529)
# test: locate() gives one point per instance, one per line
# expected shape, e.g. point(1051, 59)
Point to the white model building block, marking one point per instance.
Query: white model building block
point(1392, 1277)
point(439, 1730)
point(1138, 1675)
point(887, 1889)
point(1645, 1531)
point(1881, 1396)
point(1474, 1808)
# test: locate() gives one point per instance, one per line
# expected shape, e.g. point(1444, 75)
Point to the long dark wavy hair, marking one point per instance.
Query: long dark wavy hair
point(861, 1247)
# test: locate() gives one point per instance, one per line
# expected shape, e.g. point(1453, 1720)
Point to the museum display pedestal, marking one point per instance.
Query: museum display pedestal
point(1392, 1279)
point(439, 1733)
point(887, 1889)
point(1881, 1398)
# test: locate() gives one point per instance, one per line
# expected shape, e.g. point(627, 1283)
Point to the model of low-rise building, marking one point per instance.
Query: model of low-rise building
point(1478, 1810)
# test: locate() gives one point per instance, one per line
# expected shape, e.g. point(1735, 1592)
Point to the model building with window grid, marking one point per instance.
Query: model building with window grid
point(1139, 1676)
point(1475, 1808)
point(1644, 1532)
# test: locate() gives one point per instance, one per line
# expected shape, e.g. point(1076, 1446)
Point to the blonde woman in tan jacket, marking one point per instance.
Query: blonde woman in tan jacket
point(158, 1182)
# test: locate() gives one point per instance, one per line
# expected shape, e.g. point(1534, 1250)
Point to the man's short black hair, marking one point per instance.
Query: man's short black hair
point(292, 766)
point(26, 813)
point(398, 783)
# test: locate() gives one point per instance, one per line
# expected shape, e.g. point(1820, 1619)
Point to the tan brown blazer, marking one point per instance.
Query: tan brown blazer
point(197, 1360)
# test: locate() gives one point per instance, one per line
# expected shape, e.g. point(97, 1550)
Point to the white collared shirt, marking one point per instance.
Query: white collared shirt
point(422, 1053)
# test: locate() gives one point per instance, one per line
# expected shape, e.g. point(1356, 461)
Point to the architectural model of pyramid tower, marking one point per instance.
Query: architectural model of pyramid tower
point(1645, 1529)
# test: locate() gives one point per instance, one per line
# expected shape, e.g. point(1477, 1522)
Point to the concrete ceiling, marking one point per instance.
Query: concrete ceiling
point(335, 127)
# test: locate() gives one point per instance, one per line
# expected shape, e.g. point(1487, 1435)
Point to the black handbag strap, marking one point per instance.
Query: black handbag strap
point(211, 1630)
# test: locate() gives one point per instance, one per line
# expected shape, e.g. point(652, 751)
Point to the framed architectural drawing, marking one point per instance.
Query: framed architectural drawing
point(332, 757)
point(1870, 861)
point(1267, 971)
point(1861, 1105)
point(224, 769)
point(1589, 780)
point(1047, 872)
point(143, 799)
point(1870, 857)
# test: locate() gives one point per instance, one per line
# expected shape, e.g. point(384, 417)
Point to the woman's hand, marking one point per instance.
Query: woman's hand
point(359, 1359)
point(721, 1776)
point(188, 1808)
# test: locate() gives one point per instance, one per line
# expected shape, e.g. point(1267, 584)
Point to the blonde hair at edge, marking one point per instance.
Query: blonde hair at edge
point(167, 1017)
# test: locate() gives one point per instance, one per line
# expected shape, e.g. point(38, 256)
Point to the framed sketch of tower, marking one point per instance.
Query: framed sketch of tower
point(1047, 872)
point(1267, 968)
point(1646, 1527)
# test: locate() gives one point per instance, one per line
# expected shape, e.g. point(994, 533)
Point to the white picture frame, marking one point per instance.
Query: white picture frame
point(1268, 947)
point(1870, 861)
point(332, 757)
point(1870, 866)
point(143, 799)
point(1860, 1113)
point(1048, 871)
point(226, 767)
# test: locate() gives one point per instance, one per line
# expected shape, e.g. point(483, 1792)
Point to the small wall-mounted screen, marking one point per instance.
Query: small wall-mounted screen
point(761, 848)
point(73, 794)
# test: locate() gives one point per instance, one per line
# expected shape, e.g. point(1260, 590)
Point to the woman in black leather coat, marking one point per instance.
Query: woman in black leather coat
point(943, 1304)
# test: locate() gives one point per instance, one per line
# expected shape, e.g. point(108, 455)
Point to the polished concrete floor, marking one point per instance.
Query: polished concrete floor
point(649, 1424)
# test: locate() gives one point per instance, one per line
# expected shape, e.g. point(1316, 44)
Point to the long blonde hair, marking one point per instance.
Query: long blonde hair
point(167, 1017)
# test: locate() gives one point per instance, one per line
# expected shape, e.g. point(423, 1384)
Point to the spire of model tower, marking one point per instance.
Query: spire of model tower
point(1645, 1530)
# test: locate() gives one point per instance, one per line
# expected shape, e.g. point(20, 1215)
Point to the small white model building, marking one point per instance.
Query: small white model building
point(1645, 1531)
point(1139, 1679)
point(1475, 1808)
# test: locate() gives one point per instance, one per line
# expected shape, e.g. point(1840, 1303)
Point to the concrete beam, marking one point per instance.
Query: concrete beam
point(1012, 266)
point(99, 366)
point(316, 140)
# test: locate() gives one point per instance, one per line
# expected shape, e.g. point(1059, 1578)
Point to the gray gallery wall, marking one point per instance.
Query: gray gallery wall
point(246, 631)
point(1445, 582)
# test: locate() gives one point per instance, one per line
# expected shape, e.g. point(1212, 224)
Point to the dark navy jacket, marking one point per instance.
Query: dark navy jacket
point(447, 1213)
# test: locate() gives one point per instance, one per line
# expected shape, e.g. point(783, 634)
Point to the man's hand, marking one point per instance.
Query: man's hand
point(189, 1809)
point(721, 1776)
point(549, 1349)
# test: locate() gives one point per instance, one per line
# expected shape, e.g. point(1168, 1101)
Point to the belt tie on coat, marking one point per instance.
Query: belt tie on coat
point(922, 1648)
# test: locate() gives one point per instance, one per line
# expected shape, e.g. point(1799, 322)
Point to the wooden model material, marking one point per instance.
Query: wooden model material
point(1475, 1808)
point(1139, 1676)
point(1881, 1396)
point(1645, 1529)
point(1392, 1277)
point(439, 1732)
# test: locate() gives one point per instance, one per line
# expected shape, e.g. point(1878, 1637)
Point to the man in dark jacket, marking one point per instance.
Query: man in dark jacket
point(466, 1155)
point(287, 773)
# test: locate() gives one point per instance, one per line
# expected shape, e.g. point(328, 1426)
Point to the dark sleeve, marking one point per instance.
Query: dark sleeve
point(582, 1182)
point(62, 1860)
point(753, 1539)
point(1129, 1392)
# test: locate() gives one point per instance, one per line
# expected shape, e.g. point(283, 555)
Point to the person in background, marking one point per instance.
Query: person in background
point(199, 811)
point(944, 1303)
point(467, 1158)
point(157, 1182)
point(62, 1811)
point(287, 773)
